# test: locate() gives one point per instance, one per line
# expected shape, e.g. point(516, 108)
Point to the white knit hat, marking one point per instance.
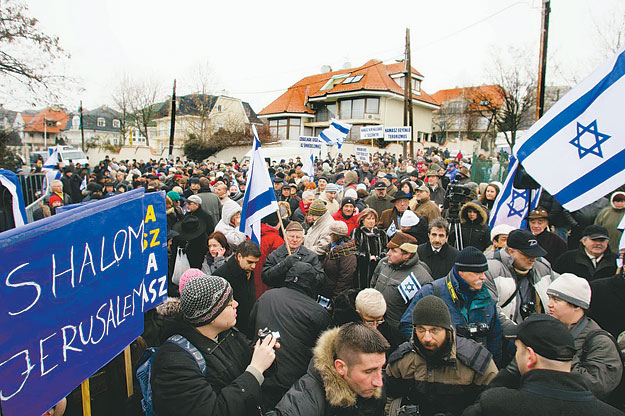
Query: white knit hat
point(409, 219)
point(500, 229)
point(575, 290)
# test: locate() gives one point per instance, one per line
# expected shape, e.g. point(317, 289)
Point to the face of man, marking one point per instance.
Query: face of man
point(247, 263)
point(57, 188)
point(373, 322)
point(340, 181)
point(475, 280)
point(422, 195)
point(322, 183)
point(521, 261)
point(401, 205)
point(433, 180)
point(309, 199)
point(294, 239)
point(221, 190)
point(277, 186)
point(563, 311)
point(431, 337)
point(538, 225)
point(595, 247)
point(397, 256)
point(192, 206)
point(523, 356)
point(194, 187)
point(348, 210)
point(330, 196)
point(381, 193)
point(286, 191)
point(228, 317)
point(438, 237)
point(365, 376)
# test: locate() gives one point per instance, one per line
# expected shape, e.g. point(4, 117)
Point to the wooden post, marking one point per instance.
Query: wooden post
point(542, 61)
point(128, 371)
point(86, 398)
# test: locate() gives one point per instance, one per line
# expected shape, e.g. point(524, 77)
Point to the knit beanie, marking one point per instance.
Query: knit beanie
point(187, 276)
point(271, 219)
point(431, 310)
point(317, 208)
point(348, 200)
point(204, 298)
point(53, 199)
point(409, 219)
point(174, 196)
point(471, 260)
point(575, 290)
point(338, 228)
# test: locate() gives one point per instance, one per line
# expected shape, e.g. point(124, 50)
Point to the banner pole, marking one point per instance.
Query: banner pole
point(86, 398)
point(128, 371)
point(283, 231)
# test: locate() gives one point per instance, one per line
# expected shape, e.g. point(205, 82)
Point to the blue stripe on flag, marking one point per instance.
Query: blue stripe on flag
point(572, 112)
point(324, 137)
point(340, 128)
point(590, 180)
point(260, 201)
point(403, 294)
point(503, 197)
point(415, 281)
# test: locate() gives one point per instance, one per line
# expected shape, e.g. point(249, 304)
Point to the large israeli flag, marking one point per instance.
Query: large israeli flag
point(512, 205)
point(335, 133)
point(260, 199)
point(308, 166)
point(576, 151)
point(9, 180)
point(52, 160)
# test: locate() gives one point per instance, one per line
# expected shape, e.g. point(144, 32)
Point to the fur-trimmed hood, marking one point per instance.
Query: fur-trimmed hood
point(337, 390)
point(464, 218)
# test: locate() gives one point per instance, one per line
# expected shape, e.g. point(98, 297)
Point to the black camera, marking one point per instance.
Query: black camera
point(455, 197)
point(527, 309)
point(263, 333)
point(473, 330)
point(409, 410)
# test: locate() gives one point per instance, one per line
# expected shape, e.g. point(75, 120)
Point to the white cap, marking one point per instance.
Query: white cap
point(350, 192)
point(500, 229)
point(409, 219)
point(575, 290)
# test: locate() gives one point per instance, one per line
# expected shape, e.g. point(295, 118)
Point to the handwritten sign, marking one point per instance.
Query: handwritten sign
point(371, 132)
point(398, 134)
point(362, 154)
point(310, 142)
point(73, 290)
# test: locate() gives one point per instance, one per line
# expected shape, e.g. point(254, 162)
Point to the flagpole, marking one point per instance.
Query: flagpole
point(286, 243)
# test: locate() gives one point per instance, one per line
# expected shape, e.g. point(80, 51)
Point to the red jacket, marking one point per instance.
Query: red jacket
point(269, 241)
point(351, 223)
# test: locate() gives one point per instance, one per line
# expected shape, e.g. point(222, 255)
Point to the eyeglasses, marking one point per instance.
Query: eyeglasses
point(433, 331)
point(374, 322)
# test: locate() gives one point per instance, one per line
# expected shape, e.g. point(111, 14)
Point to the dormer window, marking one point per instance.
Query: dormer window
point(416, 84)
point(353, 80)
point(334, 81)
point(117, 124)
point(101, 122)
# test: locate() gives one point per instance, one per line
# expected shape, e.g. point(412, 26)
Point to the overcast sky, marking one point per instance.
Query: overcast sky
point(258, 49)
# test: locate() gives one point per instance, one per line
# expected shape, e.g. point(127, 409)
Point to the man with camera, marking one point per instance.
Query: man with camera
point(343, 378)
point(473, 312)
point(518, 278)
point(436, 372)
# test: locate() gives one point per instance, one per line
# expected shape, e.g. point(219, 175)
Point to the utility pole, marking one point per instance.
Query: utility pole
point(172, 126)
point(82, 128)
point(408, 120)
point(542, 61)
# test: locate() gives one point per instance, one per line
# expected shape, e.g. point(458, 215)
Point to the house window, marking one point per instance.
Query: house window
point(219, 108)
point(350, 109)
point(101, 122)
point(334, 81)
point(308, 131)
point(285, 128)
point(353, 80)
point(117, 124)
point(326, 112)
point(373, 106)
point(416, 84)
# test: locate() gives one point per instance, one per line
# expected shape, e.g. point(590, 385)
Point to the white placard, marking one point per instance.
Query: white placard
point(310, 142)
point(397, 134)
point(362, 154)
point(371, 132)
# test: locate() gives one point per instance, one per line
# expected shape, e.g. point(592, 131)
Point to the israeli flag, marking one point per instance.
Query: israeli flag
point(53, 160)
point(9, 180)
point(621, 226)
point(512, 205)
point(308, 167)
point(409, 287)
point(260, 199)
point(576, 151)
point(83, 184)
point(336, 133)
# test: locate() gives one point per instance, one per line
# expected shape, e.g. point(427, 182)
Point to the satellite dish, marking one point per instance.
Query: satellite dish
point(325, 69)
point(347, 65)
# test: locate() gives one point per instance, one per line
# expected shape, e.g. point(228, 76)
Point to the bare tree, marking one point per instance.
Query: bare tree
point(610, 31)
point(443, 121)
point(121, 99)
point(143, 104)
point(203, 84)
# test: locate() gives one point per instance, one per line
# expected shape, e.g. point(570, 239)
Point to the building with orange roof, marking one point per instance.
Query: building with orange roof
point(40, 129)
point(368, 95)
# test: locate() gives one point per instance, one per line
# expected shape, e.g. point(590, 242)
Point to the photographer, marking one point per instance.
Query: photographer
point(473, 312)
point(473, 229)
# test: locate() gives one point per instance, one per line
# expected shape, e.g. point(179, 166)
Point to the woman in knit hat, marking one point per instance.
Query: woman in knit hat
point(230, 381)
point(340, 261)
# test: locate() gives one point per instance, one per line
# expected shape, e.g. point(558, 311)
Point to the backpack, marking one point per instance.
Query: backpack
point(144, 371)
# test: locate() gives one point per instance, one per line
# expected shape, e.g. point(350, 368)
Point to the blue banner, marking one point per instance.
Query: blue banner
point(155, 246)
point(73, 289)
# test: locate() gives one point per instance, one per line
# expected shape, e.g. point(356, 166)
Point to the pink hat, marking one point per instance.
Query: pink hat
point(188, 275)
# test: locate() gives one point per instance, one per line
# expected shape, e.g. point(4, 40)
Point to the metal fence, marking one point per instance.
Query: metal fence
point(486, 170)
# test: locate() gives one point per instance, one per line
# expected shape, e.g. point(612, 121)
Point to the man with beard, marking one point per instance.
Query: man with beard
point(436, 372)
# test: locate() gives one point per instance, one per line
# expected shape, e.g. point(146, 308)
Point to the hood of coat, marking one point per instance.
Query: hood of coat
point(612, 198)
point(482, 217)
point(229, 209)
point(338, 392)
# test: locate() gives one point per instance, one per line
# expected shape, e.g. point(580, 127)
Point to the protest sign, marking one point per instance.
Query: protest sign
point(362, 154)
point(371, 132)
point(310, 142)
point(73, 291)
point(155, 245)
point(399, 134)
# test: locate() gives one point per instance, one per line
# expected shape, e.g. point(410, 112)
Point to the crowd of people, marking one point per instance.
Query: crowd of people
point(372, 292)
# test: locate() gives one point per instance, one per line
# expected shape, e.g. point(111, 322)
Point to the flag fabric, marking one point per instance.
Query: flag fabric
point(83, 184)
point(335, 133)
point(512, 205)
point(576, 151)
point(308, 167)
point(260, 198)
point(9, 180)
point(621, 226)
point(409, 287)
point(53, 160)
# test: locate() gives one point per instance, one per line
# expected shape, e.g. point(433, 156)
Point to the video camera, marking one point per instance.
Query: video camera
point(473, 330)
point(455, 197)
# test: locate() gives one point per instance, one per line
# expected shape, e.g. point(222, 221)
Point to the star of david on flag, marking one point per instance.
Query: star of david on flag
point(576, 151)
point(409, 287)
point(512, 205)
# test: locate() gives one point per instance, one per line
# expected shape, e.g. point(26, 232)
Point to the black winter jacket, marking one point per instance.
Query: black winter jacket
point(243, 289)
point(179, 388)
point(439, 263)
point(277, 265)
point(578, 263)
point(474, 233)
